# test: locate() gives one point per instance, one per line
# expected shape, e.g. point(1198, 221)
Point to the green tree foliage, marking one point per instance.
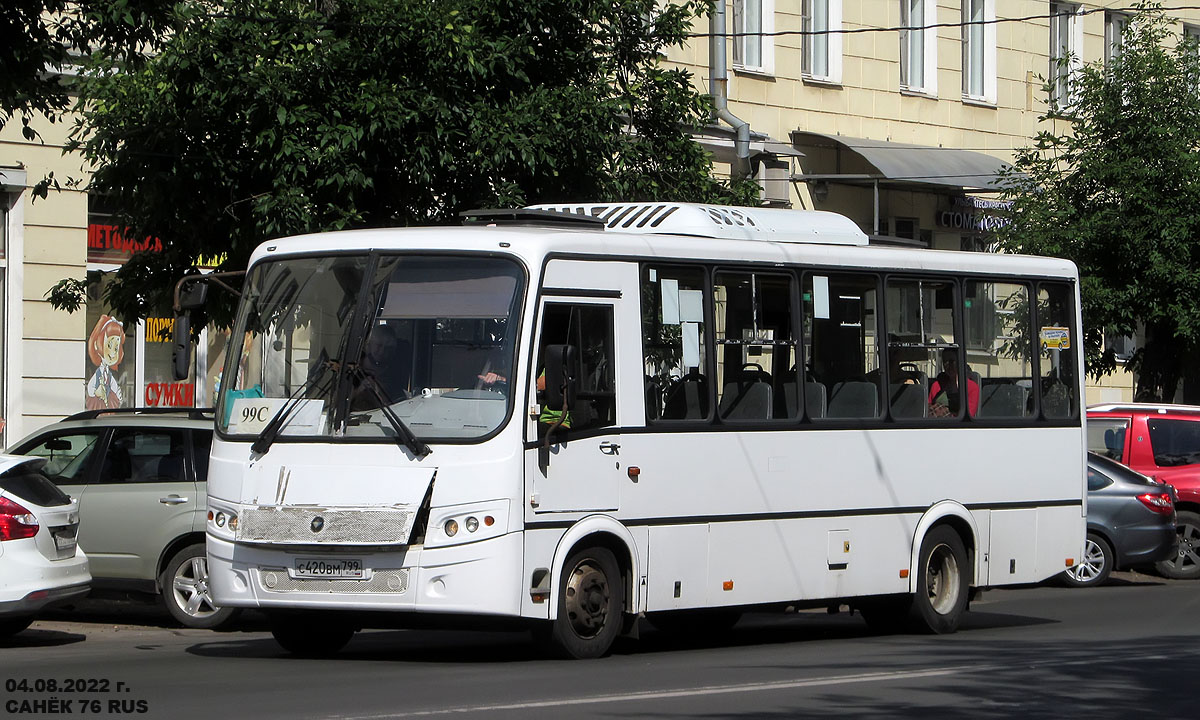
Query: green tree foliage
point(262, 118)
point(1113, 183)
point(39, 39)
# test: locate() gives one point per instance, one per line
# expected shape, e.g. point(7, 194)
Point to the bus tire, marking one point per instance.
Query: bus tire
point(943, 582)
point(310, 634)
point(590, 605)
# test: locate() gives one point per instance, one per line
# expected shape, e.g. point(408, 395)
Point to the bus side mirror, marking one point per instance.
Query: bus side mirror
point(561, 377)
point(181, 349)
point(193, 295)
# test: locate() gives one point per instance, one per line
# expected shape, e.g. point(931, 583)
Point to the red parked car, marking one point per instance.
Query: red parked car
point(1163, 442)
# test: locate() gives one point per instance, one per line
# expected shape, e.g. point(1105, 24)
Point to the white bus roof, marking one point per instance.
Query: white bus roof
point(720, 221)
point(670, 241)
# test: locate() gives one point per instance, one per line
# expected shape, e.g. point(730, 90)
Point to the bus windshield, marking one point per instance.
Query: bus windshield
point(354, 346)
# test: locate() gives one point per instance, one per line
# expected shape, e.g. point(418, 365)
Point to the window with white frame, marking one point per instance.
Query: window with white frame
point(918, 46)
point(1191, 33)
point(753, 46)
point(1066, 37)
point(979, 50)
point(1115, 25)
point(821, 22)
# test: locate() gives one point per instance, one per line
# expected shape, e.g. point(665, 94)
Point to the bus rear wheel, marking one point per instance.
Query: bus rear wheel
point(943, 582)
point(590, 605)
point(310, 634)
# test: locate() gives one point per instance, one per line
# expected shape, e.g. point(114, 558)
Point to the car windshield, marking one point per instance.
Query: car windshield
point(351, 345)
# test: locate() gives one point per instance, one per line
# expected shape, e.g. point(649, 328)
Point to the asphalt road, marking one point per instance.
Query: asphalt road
point(1127, 649)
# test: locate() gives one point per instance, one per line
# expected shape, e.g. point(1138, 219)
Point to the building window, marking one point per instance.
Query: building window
point(1065, 41)
point(979, 50)
point(822, 57)
point(1115, 25)
point(918, 46)
point(753, 46)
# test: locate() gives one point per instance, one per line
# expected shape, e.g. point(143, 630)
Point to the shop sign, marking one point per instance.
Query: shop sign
point(160, 329)
point(170, 394)
point(107, 243)
point(969, 214)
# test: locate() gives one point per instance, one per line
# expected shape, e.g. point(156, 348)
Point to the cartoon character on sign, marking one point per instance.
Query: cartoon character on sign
point(106, 349)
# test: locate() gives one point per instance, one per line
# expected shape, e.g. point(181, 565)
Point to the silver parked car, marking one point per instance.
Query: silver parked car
point(1131, 522)
point(139, 476)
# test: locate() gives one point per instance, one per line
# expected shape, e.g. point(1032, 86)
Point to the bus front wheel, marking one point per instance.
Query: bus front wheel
point(590, 605)
point(943, 581)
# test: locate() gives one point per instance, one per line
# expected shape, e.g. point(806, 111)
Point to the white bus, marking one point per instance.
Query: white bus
point(742, 408)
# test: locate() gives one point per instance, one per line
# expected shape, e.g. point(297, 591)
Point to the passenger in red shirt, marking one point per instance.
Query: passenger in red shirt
point(944, 393)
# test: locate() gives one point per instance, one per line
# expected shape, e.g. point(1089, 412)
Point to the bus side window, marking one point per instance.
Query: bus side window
point(589, 328)
point(755, 346)
point(1057, 338)
point(841, 345)
point(996, 319)
point(674, 343)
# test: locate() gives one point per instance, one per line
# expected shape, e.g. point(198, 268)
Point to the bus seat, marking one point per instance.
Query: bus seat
point(908, 400)
point(654, 398)
point(748, 395)
point(814, 399)
point(854, 399)
point(749, 398)
point(1002, 400)
point(687, 398)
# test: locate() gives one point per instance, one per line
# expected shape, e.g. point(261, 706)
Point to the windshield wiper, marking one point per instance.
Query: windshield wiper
point(405, 435)
point(267, 437)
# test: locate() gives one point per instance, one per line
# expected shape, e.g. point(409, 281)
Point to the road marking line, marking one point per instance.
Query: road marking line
point(686, 692)
point(826, 681)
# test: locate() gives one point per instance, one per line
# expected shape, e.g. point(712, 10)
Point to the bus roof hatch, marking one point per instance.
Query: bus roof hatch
point(721, 221)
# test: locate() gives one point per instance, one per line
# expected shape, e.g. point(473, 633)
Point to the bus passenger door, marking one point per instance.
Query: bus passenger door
point(577, 465)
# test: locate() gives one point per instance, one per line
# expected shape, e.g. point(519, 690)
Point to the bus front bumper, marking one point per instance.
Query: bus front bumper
point(474, 578)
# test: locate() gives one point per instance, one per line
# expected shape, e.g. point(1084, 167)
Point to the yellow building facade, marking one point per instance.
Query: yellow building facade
point(898, 113)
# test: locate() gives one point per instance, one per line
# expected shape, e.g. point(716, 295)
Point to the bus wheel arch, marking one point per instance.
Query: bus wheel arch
point(960, 520)
point(943, 568)
point(592, 591)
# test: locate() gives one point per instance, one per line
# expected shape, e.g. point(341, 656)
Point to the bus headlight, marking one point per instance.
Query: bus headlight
point(222, 522)
point(462, 523)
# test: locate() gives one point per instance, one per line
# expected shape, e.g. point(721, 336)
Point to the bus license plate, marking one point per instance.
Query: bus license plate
point(329, 568)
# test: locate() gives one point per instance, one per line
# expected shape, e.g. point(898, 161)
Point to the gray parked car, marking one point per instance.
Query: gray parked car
point(1131, 521)
point(139, 477)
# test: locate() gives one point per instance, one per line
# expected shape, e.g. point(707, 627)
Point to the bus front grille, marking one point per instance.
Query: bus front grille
point(319, 526)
